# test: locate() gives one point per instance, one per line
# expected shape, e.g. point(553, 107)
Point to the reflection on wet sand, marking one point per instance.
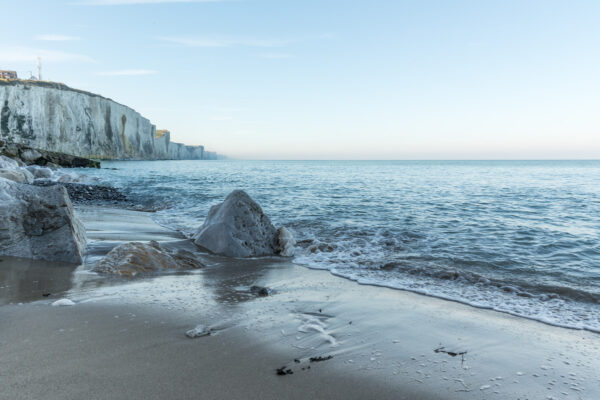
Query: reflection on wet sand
point(23, 280)
point(230, 281)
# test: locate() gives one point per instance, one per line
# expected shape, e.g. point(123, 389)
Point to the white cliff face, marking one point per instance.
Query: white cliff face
point(53, 117)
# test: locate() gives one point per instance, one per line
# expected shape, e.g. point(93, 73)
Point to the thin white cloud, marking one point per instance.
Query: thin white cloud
point(137, 2)
point(56, 38)
point(128, 72)
point(27, 54)
point(195, 41)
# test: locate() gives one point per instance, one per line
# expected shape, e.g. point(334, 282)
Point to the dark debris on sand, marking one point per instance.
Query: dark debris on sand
point(260, 291)
point(319, 359)
point(284, 371)
point(450, 353)
point(442, 349)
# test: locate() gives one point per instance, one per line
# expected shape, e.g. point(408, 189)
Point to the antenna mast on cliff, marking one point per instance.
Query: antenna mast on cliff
point(39, 65)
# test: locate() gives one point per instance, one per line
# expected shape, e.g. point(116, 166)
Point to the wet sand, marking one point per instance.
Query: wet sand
point(126, 339)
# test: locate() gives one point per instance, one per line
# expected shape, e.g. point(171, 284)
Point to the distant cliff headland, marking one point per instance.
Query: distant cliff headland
point(54, 117)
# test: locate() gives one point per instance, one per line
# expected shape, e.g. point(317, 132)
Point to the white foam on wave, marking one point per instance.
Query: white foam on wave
point(375, 219)
point(547, 308)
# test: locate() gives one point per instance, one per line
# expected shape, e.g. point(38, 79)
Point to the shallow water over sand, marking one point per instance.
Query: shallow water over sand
point(520, 237)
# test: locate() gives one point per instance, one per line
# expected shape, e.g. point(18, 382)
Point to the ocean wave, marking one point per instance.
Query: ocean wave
point(520, 238)
point(558, 305)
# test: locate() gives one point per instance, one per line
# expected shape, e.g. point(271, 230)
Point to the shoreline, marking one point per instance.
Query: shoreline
point(450, 299)
point(383, 341)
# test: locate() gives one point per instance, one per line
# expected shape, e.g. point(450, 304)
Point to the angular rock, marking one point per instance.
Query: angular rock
point(39, 223)
point(30, 156)
point(20, 175)
point(133, 258)
point(40, 172)
point(238, 227)
point(198, 331)
point(8, 163)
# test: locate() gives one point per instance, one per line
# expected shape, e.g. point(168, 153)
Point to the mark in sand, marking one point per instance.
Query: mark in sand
point(442, 349)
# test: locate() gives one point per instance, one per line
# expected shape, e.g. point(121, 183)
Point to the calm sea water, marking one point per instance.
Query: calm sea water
point(518, 237)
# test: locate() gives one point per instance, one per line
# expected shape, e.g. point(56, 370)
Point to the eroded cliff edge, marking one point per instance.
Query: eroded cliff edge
point(54, 117)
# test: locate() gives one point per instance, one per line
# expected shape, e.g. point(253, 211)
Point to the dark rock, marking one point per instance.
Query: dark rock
point(260, 291)
point(88, 194)
point(284, 371)
point(319, 359)
point(39, 223)
point(32, 156)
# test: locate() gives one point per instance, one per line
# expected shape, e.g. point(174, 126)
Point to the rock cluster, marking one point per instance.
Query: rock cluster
point(31, 156)
point(39, 223)
point(81, 193)
point(238, 227)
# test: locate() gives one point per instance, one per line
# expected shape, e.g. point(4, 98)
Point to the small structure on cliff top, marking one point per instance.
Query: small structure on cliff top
point(161, 132)
point(5, 74)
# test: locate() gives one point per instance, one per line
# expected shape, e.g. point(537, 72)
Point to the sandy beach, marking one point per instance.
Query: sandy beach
point(328, 337)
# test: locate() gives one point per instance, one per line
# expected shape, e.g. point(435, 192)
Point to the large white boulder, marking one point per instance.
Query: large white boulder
point(39, 223)
point(11, 169)
point(20, 175)
point(238, 227)
point(8, 163)
point(40, 172)
point(133, 258)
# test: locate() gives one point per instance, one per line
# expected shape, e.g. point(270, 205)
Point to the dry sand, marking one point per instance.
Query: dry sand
point(125, 339)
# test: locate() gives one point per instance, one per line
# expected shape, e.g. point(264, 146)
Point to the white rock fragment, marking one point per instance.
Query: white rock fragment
point(198, 331)
point(63, 302)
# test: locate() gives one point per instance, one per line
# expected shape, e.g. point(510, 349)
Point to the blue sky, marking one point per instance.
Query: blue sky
point(332, 79)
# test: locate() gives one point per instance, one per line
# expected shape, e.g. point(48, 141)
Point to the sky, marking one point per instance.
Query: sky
point(331, 79)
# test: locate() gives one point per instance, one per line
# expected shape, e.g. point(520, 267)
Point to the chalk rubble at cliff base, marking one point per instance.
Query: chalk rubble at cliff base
point(17, 171)
point(238, 227)
point(39, 223)
point(33, 156)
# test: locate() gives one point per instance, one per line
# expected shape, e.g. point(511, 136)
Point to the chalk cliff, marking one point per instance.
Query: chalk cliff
point(52, 116)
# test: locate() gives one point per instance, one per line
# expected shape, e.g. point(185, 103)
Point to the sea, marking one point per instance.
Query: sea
point(520, 237)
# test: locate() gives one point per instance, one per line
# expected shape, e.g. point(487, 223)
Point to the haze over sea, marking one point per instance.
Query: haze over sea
point(514, 236)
